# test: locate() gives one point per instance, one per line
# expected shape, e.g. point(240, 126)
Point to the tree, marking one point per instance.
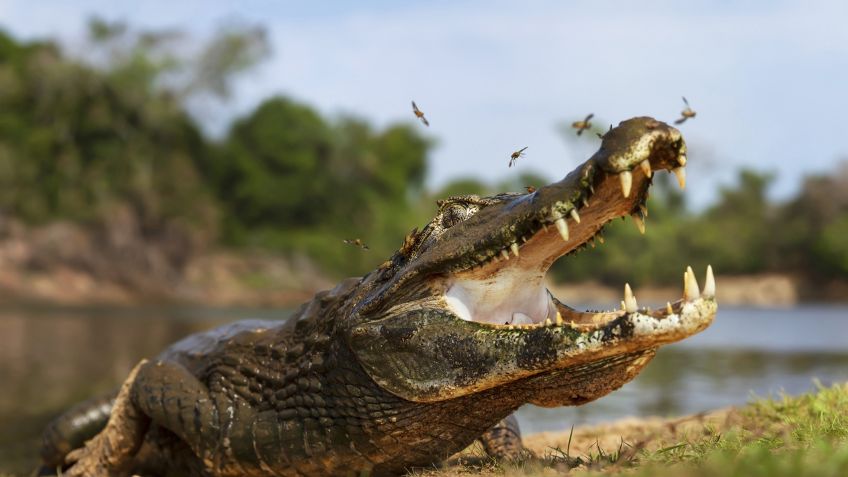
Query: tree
point(812, 225)
point(73, 142)
point(274, 167)
point(295, 182)
point(737, 232)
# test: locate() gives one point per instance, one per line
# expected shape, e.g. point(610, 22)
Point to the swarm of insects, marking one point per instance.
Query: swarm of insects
point(419, 114)
point(515, 155)
point(583, 125)
point(356, 243)
point(686, 113)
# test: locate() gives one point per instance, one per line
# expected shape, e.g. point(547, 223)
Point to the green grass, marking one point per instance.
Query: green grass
point(805, 435)
point(790, 436)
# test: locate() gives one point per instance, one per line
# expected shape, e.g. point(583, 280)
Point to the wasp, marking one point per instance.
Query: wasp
point(530, 189)
point(686, 113)
point(419, 114)
point(515, 155)
point(356, 243)
point(583, 125)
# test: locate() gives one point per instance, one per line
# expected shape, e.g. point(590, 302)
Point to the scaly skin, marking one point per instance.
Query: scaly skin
point(409, 364)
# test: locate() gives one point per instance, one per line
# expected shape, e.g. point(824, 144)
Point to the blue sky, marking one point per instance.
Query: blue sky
point(769, 79)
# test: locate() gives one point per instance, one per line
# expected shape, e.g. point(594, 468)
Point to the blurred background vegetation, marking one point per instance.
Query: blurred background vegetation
point(81, 139)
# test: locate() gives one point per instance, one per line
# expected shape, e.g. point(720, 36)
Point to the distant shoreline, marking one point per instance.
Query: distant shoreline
point(64, 263)
point(248, 280)
point(768, 290)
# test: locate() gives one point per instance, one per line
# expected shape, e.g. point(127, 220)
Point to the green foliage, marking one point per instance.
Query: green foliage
point(291, 181)
point(832, 246)
point(73, 142)
point(735, 232)
point(790, 436)
point(274, 167)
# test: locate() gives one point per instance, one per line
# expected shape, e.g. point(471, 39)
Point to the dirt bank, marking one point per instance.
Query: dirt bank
point(119, 263)
point(122, 262)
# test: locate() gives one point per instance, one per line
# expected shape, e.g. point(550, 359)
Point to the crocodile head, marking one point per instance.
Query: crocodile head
point(462, 308)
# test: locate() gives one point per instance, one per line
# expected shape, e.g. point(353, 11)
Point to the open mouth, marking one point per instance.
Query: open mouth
point(505, 286)
point(477, 314)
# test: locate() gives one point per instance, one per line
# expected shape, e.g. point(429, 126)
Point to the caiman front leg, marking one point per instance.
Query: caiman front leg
point(160, 394)
point(110, 452)
point(503, 440)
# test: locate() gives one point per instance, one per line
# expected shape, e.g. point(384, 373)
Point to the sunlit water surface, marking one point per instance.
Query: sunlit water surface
point(51, 358)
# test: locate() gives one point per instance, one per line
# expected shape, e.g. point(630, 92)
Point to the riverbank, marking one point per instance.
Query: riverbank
point(805, 435)
point(769, 290)
point(115, 263)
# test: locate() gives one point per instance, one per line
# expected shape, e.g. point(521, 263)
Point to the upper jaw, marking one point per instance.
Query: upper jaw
point(527, 233)
point(504, 284)
point(558, 218)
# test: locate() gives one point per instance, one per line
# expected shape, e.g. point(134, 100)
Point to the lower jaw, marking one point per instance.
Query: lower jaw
point(524, 302)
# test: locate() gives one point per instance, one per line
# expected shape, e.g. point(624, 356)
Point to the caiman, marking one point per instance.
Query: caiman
point(414, 361)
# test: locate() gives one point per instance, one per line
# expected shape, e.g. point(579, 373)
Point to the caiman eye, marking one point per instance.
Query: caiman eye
point(454, 215)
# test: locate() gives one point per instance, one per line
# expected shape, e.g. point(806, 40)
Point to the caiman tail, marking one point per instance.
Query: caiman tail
point(70, 430)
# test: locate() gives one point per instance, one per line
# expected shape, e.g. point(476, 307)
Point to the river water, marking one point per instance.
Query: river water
point(51, 358)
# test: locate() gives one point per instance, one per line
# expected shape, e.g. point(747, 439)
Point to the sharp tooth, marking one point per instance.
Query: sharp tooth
point(592, 244)
point(601, 238)
point(623, 305)
point(559, 319)
point(514, 248)
point(668, 308)
point(682, 159)
point(646, 167)
point(680, 172)
point(548, 322)
point(575, 215)
point(585, 202)
point(505, 254)
point(690, 285)
point(640, 224)
point(523, 239)
point(644, 209)
point(626, 182)
point(519, 318)
point(630, 305)
point(562, 227)
point(592, 188)
point(709, 283)
point(545, 226)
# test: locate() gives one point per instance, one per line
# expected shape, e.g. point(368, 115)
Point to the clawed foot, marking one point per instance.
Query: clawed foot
point(109, 453)
point(92, 460)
